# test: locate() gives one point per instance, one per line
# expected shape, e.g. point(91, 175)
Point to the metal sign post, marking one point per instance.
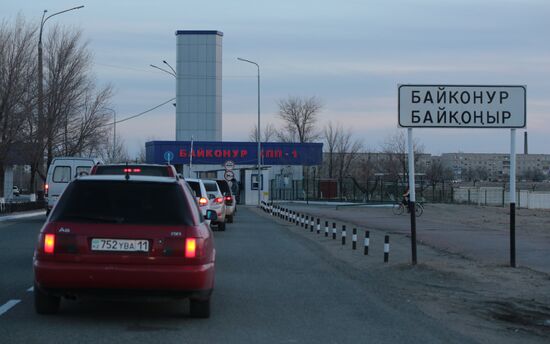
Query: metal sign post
point(412, 193)
point(513, 198)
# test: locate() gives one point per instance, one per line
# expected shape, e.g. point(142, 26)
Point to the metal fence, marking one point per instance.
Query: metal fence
point(14, 207)
point(349, 190)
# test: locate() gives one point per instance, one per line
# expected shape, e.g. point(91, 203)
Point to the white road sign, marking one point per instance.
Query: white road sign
point(462, 106)
point(229, 175)
point(229, 165)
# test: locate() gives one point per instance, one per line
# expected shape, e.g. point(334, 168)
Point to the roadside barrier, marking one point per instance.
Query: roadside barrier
point(318, 225)
point(343, 235)
point(367, 241)
point(310, 222)
point(386, 248)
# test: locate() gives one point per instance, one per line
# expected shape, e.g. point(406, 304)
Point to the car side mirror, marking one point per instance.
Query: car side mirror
point(211, 215)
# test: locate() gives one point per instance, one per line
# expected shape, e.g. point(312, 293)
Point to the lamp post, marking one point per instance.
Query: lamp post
point(114, 133)
point(172, 73)
point(258, 135)
point(40, 72)
point(164, 70)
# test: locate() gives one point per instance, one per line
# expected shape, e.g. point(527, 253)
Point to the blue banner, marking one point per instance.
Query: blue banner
point(241, 153)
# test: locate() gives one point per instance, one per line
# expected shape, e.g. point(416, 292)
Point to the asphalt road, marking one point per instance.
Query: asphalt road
point(272, 286)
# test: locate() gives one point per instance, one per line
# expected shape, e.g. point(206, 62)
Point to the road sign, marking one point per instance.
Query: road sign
point(229, 175)
point(229, 165)
point(462, 106)
point(168, 156)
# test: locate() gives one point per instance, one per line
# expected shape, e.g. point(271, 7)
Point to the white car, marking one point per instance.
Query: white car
point(209, 196)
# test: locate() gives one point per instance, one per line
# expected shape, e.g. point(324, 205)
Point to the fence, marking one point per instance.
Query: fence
point(350, 190)
point(13, 207)
point(378, 191)
point(500, 196)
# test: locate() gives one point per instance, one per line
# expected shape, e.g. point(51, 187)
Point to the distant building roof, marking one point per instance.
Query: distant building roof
point(199, 32)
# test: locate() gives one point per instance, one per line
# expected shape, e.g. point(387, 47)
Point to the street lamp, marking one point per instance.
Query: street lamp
point(258, 137)
point(172, 73)
point(114, 132)
point(40, 72)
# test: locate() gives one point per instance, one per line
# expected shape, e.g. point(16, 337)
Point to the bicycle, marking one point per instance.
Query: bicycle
point(399, 208)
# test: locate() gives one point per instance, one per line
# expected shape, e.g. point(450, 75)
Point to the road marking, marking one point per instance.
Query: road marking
point(31, 289)
point(21, 216)
point(6, 307)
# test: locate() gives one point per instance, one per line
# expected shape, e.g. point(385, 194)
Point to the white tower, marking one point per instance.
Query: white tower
point(199, 85)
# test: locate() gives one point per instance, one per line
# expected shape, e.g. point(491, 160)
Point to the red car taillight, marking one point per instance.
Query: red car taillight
point(49, 243)
point(203, 201)
point(228, 200)
point(219, 200)
point(46, 189)
point(190, 248)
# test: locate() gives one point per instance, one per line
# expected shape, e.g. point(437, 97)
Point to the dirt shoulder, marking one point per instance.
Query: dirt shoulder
point(484, 299)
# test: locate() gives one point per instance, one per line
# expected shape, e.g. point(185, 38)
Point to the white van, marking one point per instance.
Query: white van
point(63, 170)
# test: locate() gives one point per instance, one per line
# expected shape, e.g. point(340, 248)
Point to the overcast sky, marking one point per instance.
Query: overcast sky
point(350, 54)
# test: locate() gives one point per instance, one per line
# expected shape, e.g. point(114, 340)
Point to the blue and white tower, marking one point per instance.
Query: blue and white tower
point(199, 85)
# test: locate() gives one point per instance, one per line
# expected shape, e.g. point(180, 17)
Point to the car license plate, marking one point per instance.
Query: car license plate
point(120, 245)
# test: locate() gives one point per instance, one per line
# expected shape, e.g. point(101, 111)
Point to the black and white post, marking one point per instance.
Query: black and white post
point(386, 248)
point(354, 239)
point(367, 242)
point(326, 228)
point(343, 234)
point(334, 231)
point(318, 225)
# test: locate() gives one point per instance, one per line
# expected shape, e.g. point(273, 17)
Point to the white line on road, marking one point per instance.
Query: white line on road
point(31, 289)
point(6, 307)
point(21, 216)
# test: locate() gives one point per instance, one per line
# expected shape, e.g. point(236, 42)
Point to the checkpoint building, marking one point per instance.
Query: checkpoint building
point(199, 151)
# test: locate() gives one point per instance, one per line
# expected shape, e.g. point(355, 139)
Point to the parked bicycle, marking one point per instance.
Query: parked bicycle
point(399, 208)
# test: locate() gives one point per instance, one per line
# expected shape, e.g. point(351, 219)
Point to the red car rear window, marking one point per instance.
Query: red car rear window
point(146, 203)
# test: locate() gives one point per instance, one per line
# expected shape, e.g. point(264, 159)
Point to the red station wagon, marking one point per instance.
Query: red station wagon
point(121, 235)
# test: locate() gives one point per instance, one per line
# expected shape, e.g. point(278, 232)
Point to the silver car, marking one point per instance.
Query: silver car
point(209, 198)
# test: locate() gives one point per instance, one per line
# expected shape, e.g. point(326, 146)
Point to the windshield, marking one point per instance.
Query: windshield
point(124, 202)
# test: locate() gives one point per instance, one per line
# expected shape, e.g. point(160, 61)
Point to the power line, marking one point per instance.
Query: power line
point(141, 113)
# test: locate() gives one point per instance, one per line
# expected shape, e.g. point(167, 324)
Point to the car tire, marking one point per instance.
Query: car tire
point(221, 226)
point(45, 303)
point(229, 218)
point(199, 308)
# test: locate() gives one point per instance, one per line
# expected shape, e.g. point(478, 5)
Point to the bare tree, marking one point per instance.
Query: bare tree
point(347, 149)
point(75, 111)
point(120, 154)
point(437, 172)
point(300, 118)
point(269, 132)
point(331, 135)
point(395, 150)
point(17, 95)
